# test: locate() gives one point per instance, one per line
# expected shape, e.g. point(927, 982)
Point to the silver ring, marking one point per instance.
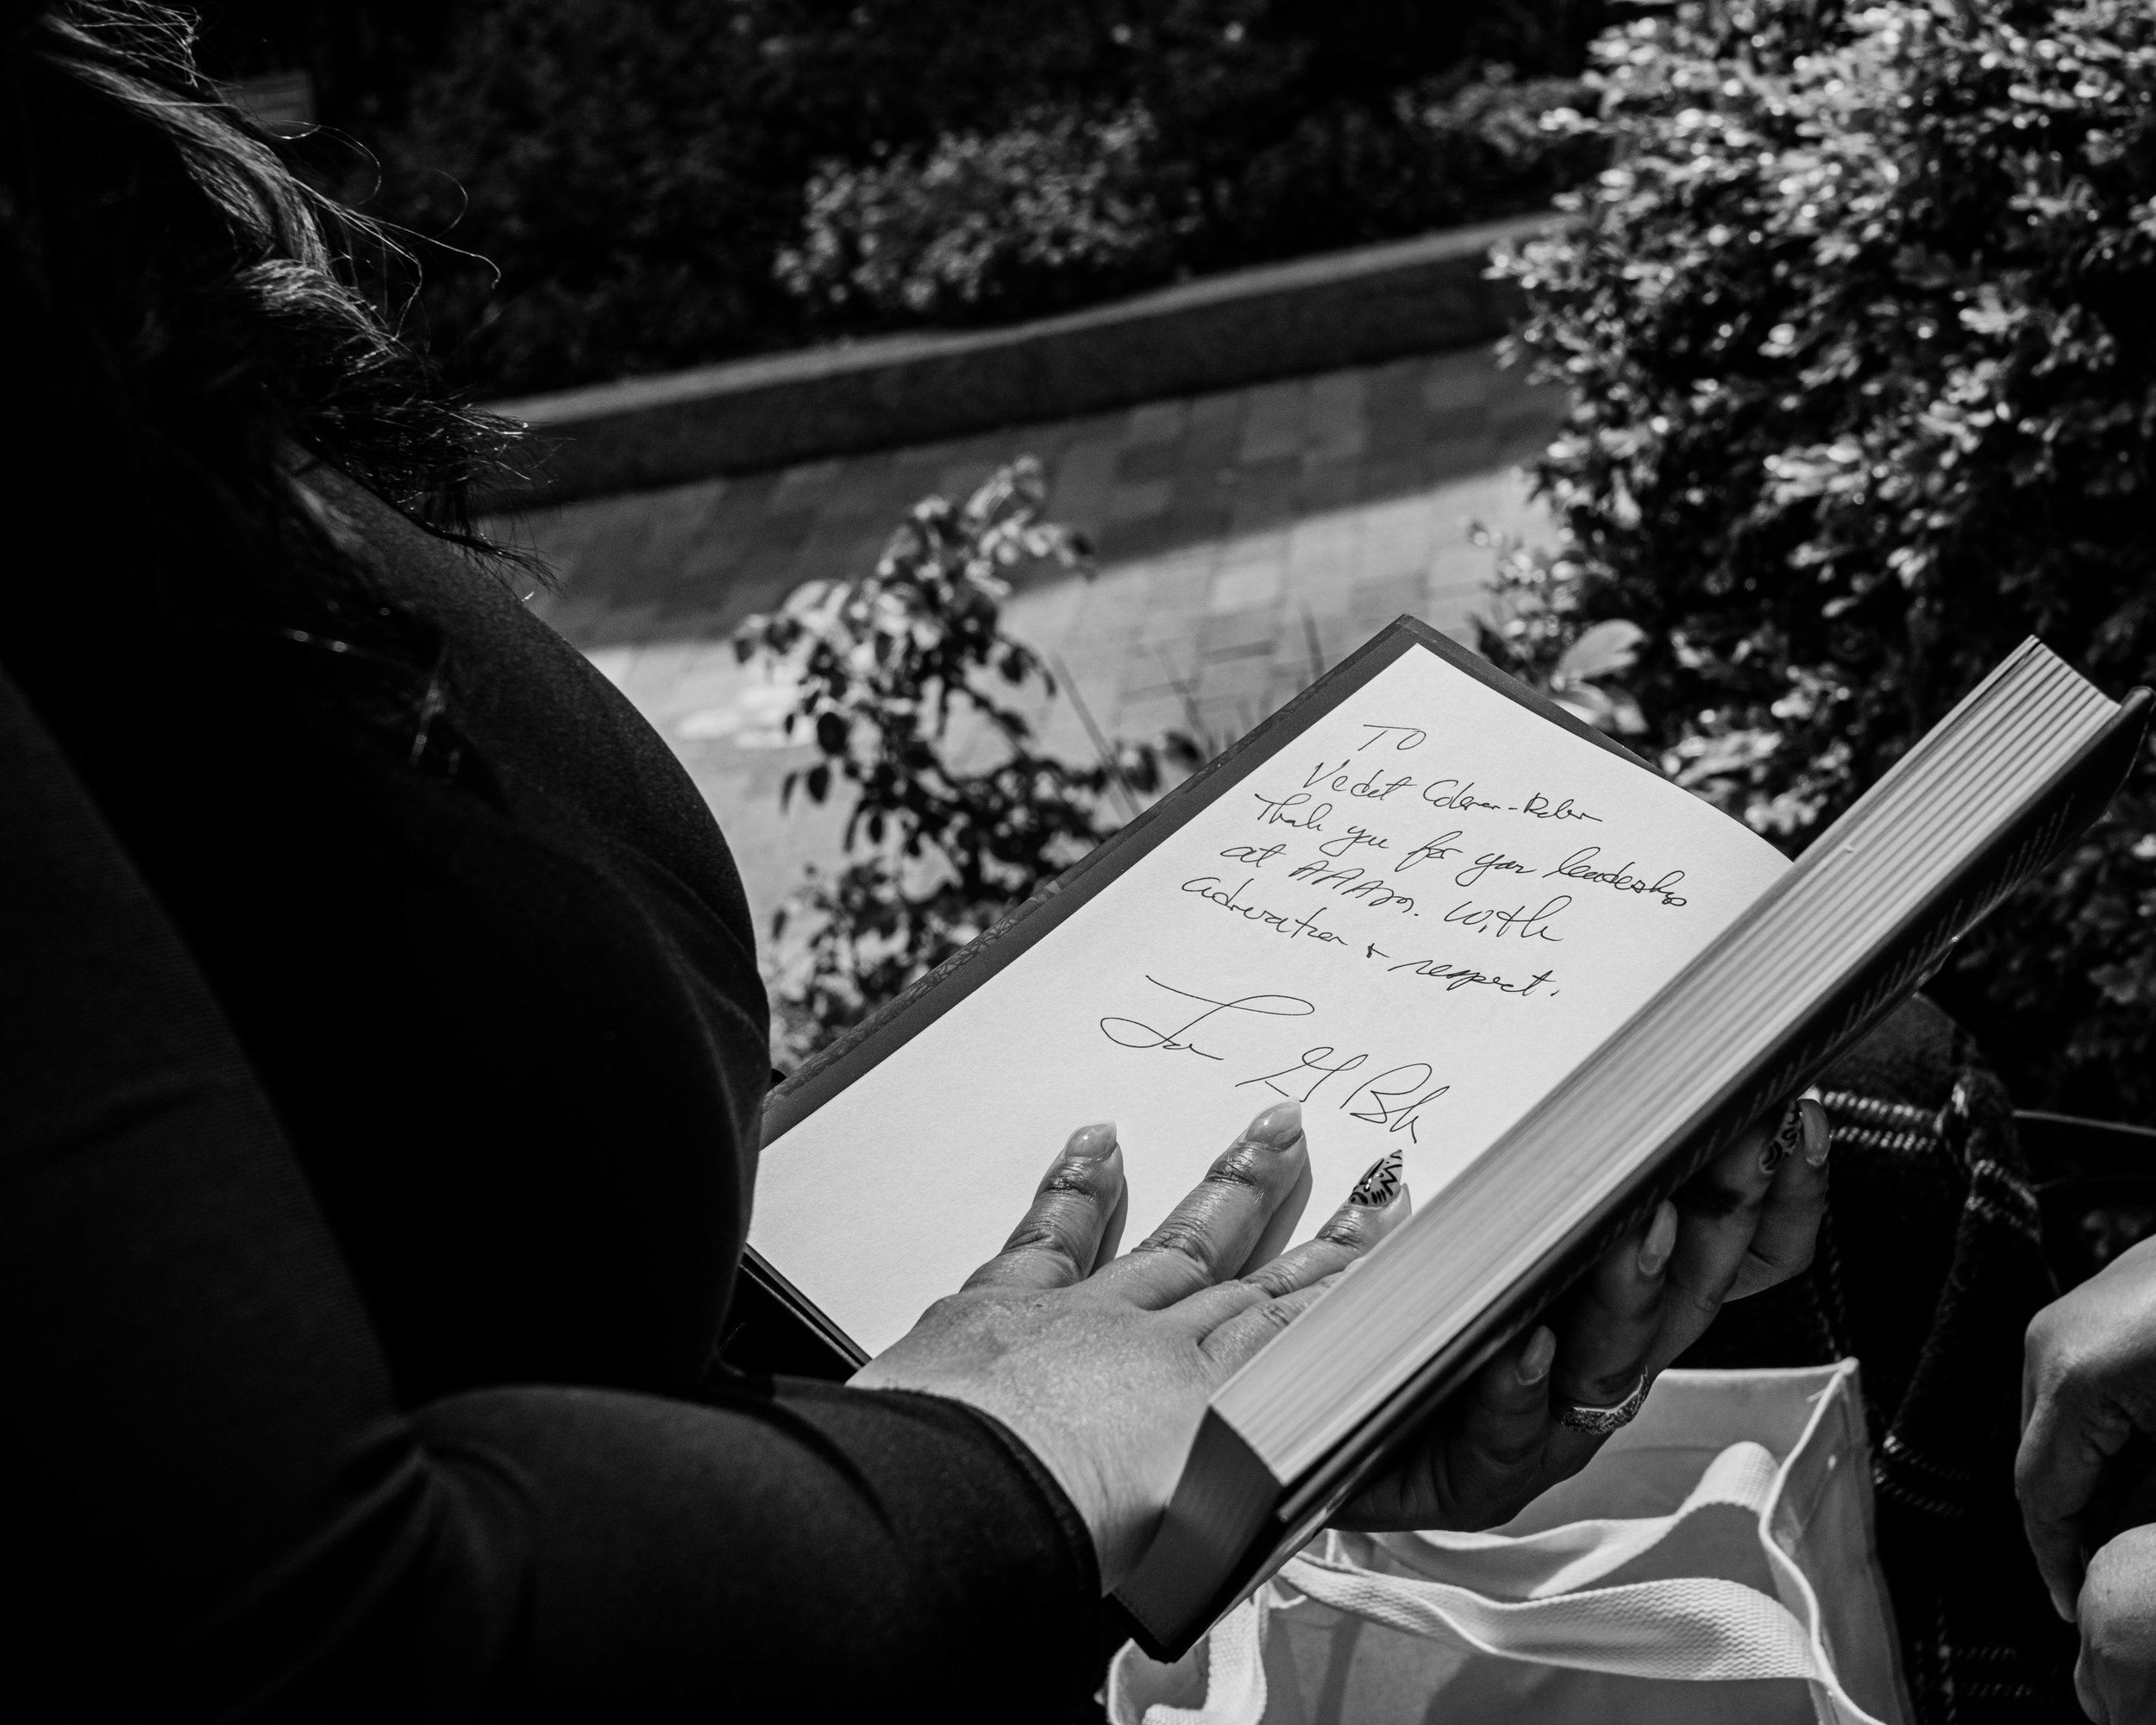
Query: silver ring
point(1600, 1423)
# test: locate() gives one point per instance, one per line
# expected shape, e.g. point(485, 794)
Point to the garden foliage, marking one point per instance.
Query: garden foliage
point(1061, 209)
point(631, 186)
point(1861, 329)
point(916, 701)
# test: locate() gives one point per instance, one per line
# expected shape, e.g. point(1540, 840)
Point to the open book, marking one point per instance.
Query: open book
point(1445, 916)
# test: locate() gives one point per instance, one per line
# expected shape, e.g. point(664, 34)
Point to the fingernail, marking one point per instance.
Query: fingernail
point(1279, 1127)
point(1661, 1240)
point(1788, 1139)
point(1536, 1357)
point(1818, 1137)
point(1091, 1143)
point(1381, 1185)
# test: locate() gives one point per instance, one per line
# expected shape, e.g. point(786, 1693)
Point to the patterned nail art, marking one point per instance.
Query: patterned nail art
point(1788, 1139)
point(1381, 1185)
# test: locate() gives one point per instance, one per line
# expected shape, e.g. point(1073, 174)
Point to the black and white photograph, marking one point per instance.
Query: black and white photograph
point(1110, 862)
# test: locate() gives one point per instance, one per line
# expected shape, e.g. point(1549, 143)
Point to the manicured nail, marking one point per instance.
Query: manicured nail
point(1661, 1240)
point(1091, 1143)
point(1279, 1127)
point(1819, 1136)
point(1381, 1185)
point(1537, 1357)
point(1788, 1139)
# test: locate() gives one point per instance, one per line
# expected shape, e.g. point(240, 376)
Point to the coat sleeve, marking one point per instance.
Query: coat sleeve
point(216, 1507)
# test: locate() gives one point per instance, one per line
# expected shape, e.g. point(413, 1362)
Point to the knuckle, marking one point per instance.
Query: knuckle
point(1244, 1165)
point(1079, 1177)
point(1042, 1237)
point(1178, 1234)
point(1350, 1228)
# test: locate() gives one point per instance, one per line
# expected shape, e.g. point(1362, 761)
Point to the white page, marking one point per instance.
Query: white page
point(1403, 894)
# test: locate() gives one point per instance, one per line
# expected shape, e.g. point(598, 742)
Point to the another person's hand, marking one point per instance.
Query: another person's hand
point(2115, 1676)
point(1103, 1365)
point(2088, 1383)
point(1746, 1222)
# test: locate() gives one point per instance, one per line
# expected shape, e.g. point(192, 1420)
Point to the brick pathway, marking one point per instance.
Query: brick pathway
point(1246, 539)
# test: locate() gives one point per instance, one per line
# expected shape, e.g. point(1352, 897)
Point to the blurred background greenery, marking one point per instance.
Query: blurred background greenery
point(621, 186)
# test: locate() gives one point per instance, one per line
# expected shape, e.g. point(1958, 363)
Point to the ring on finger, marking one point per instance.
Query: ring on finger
point(1600, 1423)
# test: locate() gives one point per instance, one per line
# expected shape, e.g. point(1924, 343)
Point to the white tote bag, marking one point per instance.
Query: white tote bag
point(1713, 1564)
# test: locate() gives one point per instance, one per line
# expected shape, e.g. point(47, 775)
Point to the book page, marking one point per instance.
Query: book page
point(1415, 918)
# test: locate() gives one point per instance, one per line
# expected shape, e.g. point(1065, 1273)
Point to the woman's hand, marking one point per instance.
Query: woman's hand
point(2088, 1383)
point(1103, 1365)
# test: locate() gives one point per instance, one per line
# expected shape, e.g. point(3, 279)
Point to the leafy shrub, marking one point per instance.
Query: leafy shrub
point(1060, 209)
point(1055, 210)
point(883, 666)
point(614, 181)
point(1861, 328)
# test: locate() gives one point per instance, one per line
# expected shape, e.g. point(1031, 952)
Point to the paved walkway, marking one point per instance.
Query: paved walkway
point(1246, 540)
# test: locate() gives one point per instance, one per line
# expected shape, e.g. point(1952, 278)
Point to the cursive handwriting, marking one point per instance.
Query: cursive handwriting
point(1452, 793)
point(1457, 976)
point(1430, 850)
point(1491, 861)
point(1131, 1033)
point(1207, 886)
point(1543, 809)
point(1344, 782)
point(1407, 735)
point(1350, 882)
point(1353, 838)
point(1285, 1081)
point(1519, 921)
point(1296, 809)
point(1580, 866)
point(1389, 1108)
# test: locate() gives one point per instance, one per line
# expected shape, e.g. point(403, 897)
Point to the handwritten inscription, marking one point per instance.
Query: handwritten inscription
point(1350, 834)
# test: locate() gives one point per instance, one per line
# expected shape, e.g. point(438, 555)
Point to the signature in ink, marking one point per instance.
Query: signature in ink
point(1131, 1034)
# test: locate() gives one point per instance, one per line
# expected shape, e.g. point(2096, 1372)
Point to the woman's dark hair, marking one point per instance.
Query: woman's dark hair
point(184, 316)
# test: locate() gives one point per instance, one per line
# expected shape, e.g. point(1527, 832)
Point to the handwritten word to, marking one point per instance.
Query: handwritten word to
point(1131, 1033)
point(1580, 866)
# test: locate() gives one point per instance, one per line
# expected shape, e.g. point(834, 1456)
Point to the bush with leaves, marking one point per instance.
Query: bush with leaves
point(1861, 333)
point(1063, 209)
point(1054, 211)
point(911, 691)
point(614, 180)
